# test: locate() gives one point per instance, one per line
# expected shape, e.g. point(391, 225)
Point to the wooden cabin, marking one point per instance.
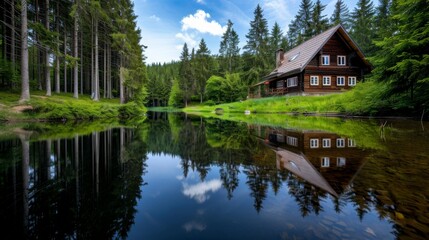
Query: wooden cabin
point(330, 62)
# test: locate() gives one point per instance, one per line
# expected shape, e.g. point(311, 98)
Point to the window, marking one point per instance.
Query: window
point(341, 60)
point(325, 59)
point(314, 80)
point(280, 84)
point(292, 82)
point(352, 143)
point(326, 81)
point(341, 161)
point(280, 138)
point(326, 143)
point(352, 81)
point(325, 162)
point(314, 143)
point(341, 143)
point(293, 141)
point(341, 81)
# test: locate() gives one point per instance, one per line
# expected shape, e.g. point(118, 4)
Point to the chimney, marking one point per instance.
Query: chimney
point(279, 57)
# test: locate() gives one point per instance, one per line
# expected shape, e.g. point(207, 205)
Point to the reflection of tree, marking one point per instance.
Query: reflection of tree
point(307, 196)
point(83, 191)
point(229, 176)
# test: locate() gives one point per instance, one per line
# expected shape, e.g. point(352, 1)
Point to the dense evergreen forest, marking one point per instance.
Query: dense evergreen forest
point(92, 47)
point(72, 46)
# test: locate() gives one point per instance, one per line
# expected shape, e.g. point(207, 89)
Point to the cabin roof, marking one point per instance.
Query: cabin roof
point(296, 59)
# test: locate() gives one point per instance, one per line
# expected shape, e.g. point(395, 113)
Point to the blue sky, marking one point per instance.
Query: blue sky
point(167, 24)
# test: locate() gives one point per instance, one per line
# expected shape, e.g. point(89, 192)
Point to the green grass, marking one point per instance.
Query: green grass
point(364, 99)
point(64, 107)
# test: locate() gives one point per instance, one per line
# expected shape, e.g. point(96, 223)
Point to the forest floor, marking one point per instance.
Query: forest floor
point(62, 107)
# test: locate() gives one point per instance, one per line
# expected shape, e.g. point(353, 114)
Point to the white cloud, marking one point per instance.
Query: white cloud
point(279, 11)
point(188, 39)
point(156, 18)
point(201, 1)
point(200, 191)
point(199, 21)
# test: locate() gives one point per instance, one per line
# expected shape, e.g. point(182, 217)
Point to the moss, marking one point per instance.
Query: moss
point(65, 107)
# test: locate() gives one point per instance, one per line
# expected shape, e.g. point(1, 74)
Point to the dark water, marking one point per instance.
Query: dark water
point(182, 177)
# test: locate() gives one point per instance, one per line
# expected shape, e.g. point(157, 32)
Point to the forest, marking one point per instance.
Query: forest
point(93, 48)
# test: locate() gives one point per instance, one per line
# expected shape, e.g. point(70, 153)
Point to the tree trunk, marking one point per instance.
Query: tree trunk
point(121, 84)
point(47, 67)
point(12, 47)
point(75, 54)
point(104, 70)
point(57, 58)
point(96, 80)
point(65, 61)
point(25, 83)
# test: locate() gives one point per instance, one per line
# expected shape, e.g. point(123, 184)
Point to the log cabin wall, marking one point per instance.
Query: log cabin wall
point(336, 46)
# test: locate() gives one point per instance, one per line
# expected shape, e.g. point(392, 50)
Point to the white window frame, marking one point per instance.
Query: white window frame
point(328, 82)
point(341, 161)
point(325, 162)
point(314, 80)
point(341, 60)
point(326, 142)
point(292, 82)
point(351, 143)
point(341, 142)
point(314, 143)
point(325, 59)
point(343, 82)
point(352, 81)
point(293, 141)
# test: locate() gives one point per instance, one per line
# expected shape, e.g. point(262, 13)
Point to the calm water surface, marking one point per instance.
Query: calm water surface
point(183, 177)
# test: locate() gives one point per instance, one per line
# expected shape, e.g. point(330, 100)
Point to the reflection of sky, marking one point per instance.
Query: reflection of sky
point(190, 226)
point(200, 191)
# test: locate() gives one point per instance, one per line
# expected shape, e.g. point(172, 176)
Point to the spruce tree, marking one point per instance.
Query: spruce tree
point(276, 41)
point(185, 75)
point(300, 28)
point(229, 50)
point(319, 21)
point(340, 15)
point(362, 25)
point(256, 48)
point(203, 68)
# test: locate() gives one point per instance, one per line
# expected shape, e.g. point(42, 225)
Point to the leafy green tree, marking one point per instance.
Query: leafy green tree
point(256, 48)
point(319, 22)
point(362, 25)
point(340, 15)
point(229, 51)
point(176, 95)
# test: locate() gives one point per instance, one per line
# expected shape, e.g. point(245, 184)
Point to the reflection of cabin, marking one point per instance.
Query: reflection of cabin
point(327, 63)
point(323, 159)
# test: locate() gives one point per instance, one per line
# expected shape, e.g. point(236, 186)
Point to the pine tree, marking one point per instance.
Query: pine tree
point(319, 21)
point(300, 28)
point(203, 68)
point(362, 25)
point(25, 82)
point(340, 15)
point(185, 75)
point(275, 42)
point(403, 59)
point(256, 48)
point(229, 50)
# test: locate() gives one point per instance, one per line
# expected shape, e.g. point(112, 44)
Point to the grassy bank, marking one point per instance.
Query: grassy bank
point(60, 107)
point(362, 100)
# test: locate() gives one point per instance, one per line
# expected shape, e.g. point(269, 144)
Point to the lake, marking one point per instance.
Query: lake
point(177, 176)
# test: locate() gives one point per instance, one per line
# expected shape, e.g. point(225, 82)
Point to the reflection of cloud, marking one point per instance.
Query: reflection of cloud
point(189, 226)
point(199, 191)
